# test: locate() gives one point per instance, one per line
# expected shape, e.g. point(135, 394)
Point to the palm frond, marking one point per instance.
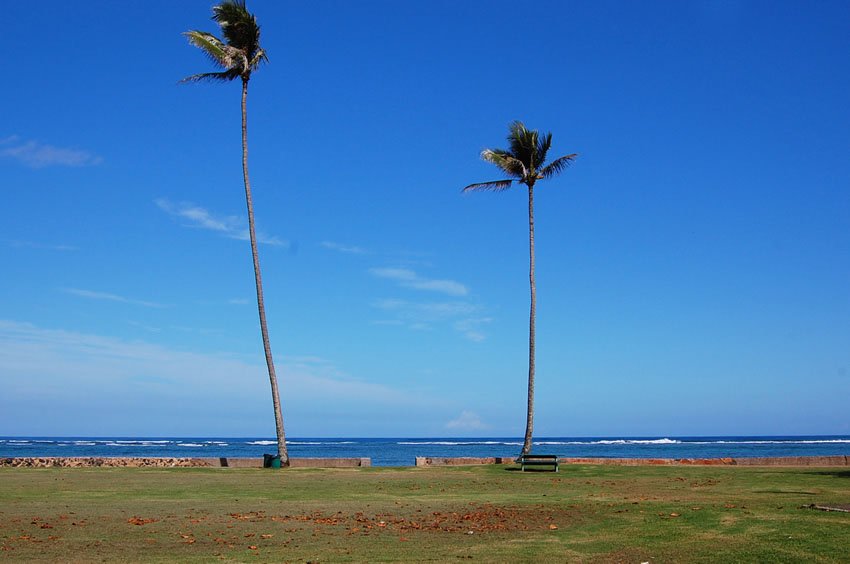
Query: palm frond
point(505, 161)
point(558, 165)
point(238, 26)
point(259, 57)
point(493, 186)
point(223, 76)
point(543, 144)
point(212, 46)
point(523, 144)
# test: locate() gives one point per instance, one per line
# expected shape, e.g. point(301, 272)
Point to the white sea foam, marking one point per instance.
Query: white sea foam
point(189, 445)
point(141, 442)
point(774, 442)
point(264, 443)
point(134, 444)
point(636, 442)
point(456, 443)
point(318, 443)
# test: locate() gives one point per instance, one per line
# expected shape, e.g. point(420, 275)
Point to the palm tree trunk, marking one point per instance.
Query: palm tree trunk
point(278, 416)
point(529, 421)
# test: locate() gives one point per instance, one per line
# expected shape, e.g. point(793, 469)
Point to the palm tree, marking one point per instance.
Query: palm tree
point(524, 162)
point(239, 54)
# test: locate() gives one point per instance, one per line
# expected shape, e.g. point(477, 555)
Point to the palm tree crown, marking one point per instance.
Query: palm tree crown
point(239, 54)
point(524, 161)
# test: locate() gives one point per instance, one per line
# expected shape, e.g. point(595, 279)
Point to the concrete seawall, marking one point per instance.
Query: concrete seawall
point(822, 461)
point(293, 462)
point(443, 461)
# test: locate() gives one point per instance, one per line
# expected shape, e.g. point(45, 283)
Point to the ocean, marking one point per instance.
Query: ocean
point(403, 451)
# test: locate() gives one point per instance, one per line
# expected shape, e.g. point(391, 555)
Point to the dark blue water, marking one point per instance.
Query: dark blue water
point(402, 452)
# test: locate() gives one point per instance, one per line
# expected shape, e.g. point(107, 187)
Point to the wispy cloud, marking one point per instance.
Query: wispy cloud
point(80, 379)
point(348, 249)
point(38, 155)
point(467, 421)
point(460, 316)
point(92, 295)
point(34, 245)
point(410, 279)
point(230, 225)
point(425, 311)
point(471, 328)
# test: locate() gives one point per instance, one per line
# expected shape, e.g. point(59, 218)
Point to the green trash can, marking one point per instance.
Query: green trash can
point(271, 461)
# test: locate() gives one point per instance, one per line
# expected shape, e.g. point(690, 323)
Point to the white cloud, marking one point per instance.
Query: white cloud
point(230, 226)
point(348, 249)
point(109, 297)
point(467, 421)
point(410, 279)
point(34, 245)
point(38, 155)
point(425, 312)
point(471, 328)
point(424, 315)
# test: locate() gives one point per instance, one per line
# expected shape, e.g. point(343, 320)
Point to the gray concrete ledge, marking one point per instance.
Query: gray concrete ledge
point(462, 461)
point(838, 460)
point(293, 462)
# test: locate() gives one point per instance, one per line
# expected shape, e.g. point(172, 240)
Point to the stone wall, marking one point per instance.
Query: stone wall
point(109, 462)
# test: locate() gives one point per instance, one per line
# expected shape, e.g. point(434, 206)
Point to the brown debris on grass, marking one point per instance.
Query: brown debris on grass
point(139, 521)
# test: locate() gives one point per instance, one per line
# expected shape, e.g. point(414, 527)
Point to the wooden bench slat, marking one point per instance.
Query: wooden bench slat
point(538, 460)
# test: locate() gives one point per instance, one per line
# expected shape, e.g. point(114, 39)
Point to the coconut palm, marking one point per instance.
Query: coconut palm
point(525, 162)
point(239, 54)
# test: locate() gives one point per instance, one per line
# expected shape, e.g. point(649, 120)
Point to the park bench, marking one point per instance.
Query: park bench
point(538, 460)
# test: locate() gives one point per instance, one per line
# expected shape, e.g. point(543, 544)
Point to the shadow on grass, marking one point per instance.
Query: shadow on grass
point(530, 470)
point(834, 473)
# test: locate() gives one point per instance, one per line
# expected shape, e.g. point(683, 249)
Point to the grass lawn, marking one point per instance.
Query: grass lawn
point(484, 513)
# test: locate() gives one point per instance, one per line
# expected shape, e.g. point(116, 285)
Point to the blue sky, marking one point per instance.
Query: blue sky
point(693, 266)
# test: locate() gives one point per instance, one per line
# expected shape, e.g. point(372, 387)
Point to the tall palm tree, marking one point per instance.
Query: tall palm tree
point(525, 162)
point(240, 54)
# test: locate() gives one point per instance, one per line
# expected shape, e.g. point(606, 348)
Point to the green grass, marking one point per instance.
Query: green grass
point(488, 513)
